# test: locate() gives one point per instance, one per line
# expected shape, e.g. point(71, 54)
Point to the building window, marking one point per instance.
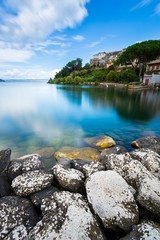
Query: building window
point(155, 67)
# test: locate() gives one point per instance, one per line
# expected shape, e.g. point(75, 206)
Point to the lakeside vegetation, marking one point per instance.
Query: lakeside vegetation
point(133, 60)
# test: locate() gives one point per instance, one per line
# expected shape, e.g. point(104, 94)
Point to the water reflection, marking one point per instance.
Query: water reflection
point(35, 115)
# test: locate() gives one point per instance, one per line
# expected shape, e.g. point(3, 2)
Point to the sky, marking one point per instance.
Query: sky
point(38, 37)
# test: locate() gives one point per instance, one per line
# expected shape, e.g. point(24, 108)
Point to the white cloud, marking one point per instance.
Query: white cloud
point(38, 73)
point(79, 38)
point(36, 19)
point(14, 55)
point(157, 10)
point(93, 44)
point(142, 3)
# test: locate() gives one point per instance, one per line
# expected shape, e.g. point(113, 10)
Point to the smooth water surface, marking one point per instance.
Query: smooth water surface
point(35, 115)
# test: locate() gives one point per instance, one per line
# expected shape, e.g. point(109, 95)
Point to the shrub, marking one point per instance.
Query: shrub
point(69, 80)
point(96, 83)
point(128, 76)
point(77, 80)
point(112, 76)
point(99, 75)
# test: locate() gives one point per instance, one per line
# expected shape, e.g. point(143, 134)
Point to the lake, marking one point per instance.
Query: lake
point(36, 115)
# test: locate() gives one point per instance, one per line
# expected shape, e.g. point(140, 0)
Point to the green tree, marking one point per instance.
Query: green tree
point(112, 76)
point(139, 54)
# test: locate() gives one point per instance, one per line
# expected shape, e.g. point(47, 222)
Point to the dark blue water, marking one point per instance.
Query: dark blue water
point(34, 115)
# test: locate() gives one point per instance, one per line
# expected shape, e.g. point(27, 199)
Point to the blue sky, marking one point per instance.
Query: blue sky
point(38, 37)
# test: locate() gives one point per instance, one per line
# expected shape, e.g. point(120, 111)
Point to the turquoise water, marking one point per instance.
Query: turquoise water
point(35, 115)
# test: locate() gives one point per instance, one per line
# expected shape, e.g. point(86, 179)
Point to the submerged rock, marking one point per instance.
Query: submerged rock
point(149, 159)
point(4, 160)
point(146, 230)
point(151, 142)
point(149, 194)
point(31, 182)
point(69, 179)
point(80, 153)
point(37, 197)
point(66, 216)
point(102, 141)
point(15, 211)
point(24, 164)
point(111, 199)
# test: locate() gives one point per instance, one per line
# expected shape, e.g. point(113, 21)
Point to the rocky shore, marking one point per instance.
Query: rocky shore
point(113, 196)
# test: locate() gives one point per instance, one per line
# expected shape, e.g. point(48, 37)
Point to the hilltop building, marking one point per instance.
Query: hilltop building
point(104, 59)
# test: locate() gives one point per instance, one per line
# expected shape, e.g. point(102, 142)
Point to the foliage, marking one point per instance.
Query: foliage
point(139, 54)
point(100, 75)
point(87, 66)
point(112, 76)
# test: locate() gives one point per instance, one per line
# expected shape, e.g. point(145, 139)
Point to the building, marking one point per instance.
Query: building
point(104, 59)
point(154, 77)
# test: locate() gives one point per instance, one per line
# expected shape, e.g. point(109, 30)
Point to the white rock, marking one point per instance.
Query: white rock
point(66, 216)
point(150, 159)
point(18, 233)
point(31, 182)
point(69, 179)
point(112, 200)
point(89, 169)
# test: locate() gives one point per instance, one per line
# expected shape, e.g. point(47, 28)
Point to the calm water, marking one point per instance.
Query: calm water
point(34, 115)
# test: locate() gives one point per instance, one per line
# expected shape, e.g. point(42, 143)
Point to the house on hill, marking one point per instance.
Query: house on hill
point(153, 78)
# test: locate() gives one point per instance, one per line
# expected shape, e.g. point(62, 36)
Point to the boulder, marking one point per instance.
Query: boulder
point(151, 142)
point(66, 216)
point(111, 199)
point(24, 164)
point(31, 182)
point(78, 153)
point(69, 179)
point(102, 141)
point(79, 163)
point(89, 169)
point(5, 188)
point(4, 160)
point(47, 155)
point(65, 162)
point(18, 233)
point(146, 230)
point(114, 150)
point(149, 194)
point(15, 211)
point(37, 197)
point(150, 159)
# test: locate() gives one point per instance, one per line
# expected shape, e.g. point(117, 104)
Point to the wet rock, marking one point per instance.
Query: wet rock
point(24, 164)
point(18, 233)
point(89, 169)
point(37, 197)
point(5, 188)
point(15, 211)
point(66, 216)
point(102, 141)
point(69, 179)
point(79, 163)
point(149, 194)
point(78, 153)
point(114, 150)
point(111, 199)
point(149, 159)
point(147, 230)
point(31, 182)
point(65, 162)
point(4, 160)
point(46, 153)
point(151, 142)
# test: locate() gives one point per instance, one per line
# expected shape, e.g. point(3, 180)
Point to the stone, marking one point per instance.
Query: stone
point(24, 164)
point(37, 197)
point(30, 182)
point(5, 188)
point(150, 159)
point(69, 179)
point(151, 142)
point(66, 216)
point(89, 169)
point(46, 153)
point(77, 153)
point(15, 211)
point(18, 233)
point(149, 194)
point(147, 230)
point(114, 150)
point(65, 162)
point(4, 160)
point(111, 199)
point(79, 163)
point(102, 141)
